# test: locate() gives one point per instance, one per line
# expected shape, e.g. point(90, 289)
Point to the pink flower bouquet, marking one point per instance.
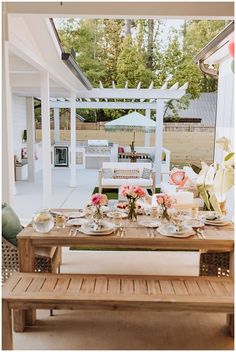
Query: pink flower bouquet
point(132, 193)
point(98, 200)
point(165, 202)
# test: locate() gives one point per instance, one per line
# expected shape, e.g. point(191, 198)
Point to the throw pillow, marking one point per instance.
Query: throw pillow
point(107, 173)
point(11, 225)
point(126, 174)
point(178, 177)
point(120, 150)
point(146, 173)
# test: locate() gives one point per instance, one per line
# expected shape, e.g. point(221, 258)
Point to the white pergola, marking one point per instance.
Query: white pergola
point(149, 99)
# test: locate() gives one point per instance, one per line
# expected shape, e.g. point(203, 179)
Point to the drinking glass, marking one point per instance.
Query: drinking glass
point(60, 221)
point(117, 219)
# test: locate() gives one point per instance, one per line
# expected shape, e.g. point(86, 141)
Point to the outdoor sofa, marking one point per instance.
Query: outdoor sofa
point(115, 175)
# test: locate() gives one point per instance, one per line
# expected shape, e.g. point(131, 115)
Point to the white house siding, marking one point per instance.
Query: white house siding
point(19, 123)
point(225, 105)
point(225, 116)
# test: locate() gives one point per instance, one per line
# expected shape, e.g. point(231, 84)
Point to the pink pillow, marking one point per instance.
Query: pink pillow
point(177, 177)
point(120, 150)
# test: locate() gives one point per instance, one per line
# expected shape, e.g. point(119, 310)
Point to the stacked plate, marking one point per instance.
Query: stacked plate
point(89, 229)
point(172, 231)
point(217, 222)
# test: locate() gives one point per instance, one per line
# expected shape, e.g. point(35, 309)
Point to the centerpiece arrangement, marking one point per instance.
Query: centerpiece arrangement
point(165, 202)
point(216, 180)
point(132, 193)
point(98, 200)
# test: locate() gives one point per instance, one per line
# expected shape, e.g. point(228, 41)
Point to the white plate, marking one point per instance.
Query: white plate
point(123, 215)
point(216, 223)
point(186, 233)
point(74, 214)
point(107, 227)
point(76, 222)
point(148, 223)
point(86, 231)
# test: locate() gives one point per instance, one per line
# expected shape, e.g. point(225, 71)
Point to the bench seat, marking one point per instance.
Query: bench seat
point(88, 291)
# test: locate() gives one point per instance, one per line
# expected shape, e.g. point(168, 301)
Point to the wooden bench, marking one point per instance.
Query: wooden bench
point(114, 292)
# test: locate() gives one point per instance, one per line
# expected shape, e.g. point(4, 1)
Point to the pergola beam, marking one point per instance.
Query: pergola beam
point(131, 93)
point(104, 105)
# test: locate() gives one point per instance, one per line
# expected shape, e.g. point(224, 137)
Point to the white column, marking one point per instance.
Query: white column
point(30, 123)
point(46, 141)
point(158, 140)
point(56, 125)
point(73, 139)
point(147, 134)
point(8, 173)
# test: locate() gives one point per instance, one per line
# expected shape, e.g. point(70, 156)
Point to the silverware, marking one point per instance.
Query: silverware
point(202, 234)
point(198, 234)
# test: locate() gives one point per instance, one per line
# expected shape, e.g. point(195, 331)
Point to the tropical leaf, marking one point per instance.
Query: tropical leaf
point(229, 159)
point(214, 202)
point(224, 181)
point(202, 174)
point(204, 196)
point(223, 143)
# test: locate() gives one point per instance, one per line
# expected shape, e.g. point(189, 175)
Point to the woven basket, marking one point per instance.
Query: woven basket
point(214, 264)
point(10, 261)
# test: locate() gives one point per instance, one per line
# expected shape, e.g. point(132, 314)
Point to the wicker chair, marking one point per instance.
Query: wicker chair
point(47, 260)
point(214, 264)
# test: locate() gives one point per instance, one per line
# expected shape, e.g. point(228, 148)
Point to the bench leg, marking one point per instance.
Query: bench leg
point(230, 322)
point(30, 317)
point(6, 327)
point(19, 320)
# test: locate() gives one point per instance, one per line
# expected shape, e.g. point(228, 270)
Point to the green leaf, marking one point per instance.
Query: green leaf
point(204, 196)
point(229, 159)
point(214, 202)
point(224, 181)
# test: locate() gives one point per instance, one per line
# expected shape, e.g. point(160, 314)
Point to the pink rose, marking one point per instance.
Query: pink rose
point(96, 198)
point(103, 199)
point(160, 200)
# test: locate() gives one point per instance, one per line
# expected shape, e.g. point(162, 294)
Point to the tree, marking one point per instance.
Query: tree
point(196, 35)
point(131, 66)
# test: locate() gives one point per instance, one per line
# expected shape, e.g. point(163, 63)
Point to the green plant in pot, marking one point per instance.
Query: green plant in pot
point(214, 181)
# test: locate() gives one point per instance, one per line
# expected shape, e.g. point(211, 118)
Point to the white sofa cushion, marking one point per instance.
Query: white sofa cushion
point(98, 142)
point(134, 181)
point(127, 166)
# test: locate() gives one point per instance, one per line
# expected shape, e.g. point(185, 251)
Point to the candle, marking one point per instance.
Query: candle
point(134, 136)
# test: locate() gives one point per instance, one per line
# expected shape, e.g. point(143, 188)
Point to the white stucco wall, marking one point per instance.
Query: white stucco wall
point(19, 123)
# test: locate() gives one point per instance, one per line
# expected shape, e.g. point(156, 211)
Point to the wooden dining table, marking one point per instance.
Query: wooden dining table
point(136, 237)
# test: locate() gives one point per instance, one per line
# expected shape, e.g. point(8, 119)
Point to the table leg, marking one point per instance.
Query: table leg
point(230, 317)
point(26, 265)
point(6, 327)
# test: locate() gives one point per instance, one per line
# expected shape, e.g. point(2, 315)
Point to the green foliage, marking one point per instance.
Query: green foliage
point(124, 50)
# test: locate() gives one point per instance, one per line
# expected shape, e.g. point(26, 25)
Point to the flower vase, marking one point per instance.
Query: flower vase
point(223, 208)
point(98, 215)
point(165, 217)
point(132, 215)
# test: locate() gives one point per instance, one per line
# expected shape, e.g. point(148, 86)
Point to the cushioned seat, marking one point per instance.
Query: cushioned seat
point(124, 181)
point(115, 174)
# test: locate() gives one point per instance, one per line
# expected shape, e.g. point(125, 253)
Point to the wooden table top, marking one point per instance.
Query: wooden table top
point(217, 238)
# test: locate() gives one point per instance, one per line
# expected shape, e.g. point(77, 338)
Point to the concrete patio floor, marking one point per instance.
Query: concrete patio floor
point(28, 198)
